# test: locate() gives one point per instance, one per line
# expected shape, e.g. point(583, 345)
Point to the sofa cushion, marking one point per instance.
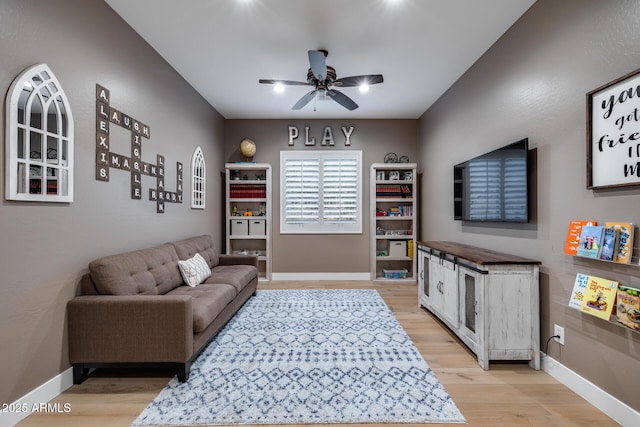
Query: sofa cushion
point(208, 302)
point(149, 271)
point(202, 245)
point(194, 270)
point(237, 275)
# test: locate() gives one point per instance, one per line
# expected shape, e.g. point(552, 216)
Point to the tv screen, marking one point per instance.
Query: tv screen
point(493, 186)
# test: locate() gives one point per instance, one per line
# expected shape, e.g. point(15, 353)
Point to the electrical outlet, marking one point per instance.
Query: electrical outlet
point(559, 331)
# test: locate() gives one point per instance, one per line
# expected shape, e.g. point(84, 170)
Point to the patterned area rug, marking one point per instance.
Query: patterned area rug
point(307, 356)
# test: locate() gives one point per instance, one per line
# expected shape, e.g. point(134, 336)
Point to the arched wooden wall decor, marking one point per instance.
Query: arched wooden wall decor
point(106, 159)
point(39, 138)
point(198, 179)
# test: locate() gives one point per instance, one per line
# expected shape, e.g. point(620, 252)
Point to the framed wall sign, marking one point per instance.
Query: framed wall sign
point(613, 133)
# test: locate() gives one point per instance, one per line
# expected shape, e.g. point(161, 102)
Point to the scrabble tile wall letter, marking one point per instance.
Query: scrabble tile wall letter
point(132, 162)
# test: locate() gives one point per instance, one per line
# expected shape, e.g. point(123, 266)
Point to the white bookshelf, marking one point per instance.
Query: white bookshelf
point(248, 189)
point(393, 218)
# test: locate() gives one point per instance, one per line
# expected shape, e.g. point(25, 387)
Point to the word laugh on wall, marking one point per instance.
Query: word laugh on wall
point(106, 159)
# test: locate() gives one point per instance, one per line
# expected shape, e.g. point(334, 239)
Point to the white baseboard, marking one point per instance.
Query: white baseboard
point(614, 408)
point(320, 276)
point(35, 400)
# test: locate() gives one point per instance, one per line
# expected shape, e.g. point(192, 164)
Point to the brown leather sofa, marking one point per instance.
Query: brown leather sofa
point(136, 311)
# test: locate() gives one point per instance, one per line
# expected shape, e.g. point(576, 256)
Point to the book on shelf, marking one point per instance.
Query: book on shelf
point(590, 241)
point(628, 307)
point(247, 191)
point(573, 235)
point(579, 289)
point(625, 241)
point(388, 191)
point(403, 191)
point(609, 247)
point(599, 297)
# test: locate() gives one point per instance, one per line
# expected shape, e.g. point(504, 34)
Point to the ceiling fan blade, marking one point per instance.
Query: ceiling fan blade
point(342, 99)
point(304, 100)
point(284, 82)
point(318, 64)
point(352, 81)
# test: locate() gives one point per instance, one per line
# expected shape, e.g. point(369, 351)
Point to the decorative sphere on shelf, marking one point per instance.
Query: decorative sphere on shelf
point(248, 148)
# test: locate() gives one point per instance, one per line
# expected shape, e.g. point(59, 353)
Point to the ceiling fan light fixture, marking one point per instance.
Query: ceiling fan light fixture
point(323, 79)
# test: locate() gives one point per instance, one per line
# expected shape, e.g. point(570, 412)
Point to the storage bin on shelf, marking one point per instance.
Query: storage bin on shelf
point(398, 248)
point(395, 274)
point(239, 227)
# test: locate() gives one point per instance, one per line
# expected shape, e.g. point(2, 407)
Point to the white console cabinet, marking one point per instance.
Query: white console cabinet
point(488, 299)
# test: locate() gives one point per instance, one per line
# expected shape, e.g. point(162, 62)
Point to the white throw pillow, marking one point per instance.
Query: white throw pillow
point(194, 270)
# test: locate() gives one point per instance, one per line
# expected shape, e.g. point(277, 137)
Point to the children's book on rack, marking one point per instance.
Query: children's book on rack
point(579, 289)
point(624, 247)
point(628, 307)
point(590, 241)
point(599, 297)
point(573, 235)
point(609, 247)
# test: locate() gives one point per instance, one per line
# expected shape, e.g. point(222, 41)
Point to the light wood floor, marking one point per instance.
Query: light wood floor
point(509, 394)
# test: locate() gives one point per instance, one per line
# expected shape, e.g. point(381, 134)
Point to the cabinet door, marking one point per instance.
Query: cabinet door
point(469, 282)
point(423, 279)
point(433, 284)
point(450, 302)
point(443, 292)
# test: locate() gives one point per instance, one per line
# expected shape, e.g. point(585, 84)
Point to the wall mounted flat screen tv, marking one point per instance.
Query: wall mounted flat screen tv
point(493, 187)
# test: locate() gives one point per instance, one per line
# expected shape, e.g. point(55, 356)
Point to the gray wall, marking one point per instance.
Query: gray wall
point(532, 83)
point(322, 253)
point(45, 248)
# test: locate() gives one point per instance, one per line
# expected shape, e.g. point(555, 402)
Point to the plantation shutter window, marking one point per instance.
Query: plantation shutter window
point(302, 195)
point(321, 192)
point(340, 189)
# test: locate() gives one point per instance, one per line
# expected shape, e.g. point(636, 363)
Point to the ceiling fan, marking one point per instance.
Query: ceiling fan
point(323, 78)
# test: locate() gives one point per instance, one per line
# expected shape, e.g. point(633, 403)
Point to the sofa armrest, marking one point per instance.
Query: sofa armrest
point(233, 259)
point(130, 329)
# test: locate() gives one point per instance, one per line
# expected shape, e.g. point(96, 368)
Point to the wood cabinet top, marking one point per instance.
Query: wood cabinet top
point(476, 255)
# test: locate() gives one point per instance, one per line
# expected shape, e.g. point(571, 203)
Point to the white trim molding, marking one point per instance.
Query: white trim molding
point(36, 400)
point(619, 411)
point(321, 276)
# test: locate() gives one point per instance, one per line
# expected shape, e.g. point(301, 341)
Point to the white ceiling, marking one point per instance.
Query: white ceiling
point(222, 48)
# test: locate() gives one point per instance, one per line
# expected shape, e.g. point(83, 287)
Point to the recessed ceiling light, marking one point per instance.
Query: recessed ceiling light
point(363, 88)
point(278, 87)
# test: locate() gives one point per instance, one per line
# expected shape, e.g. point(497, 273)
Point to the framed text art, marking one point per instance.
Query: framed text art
point(613, 133)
